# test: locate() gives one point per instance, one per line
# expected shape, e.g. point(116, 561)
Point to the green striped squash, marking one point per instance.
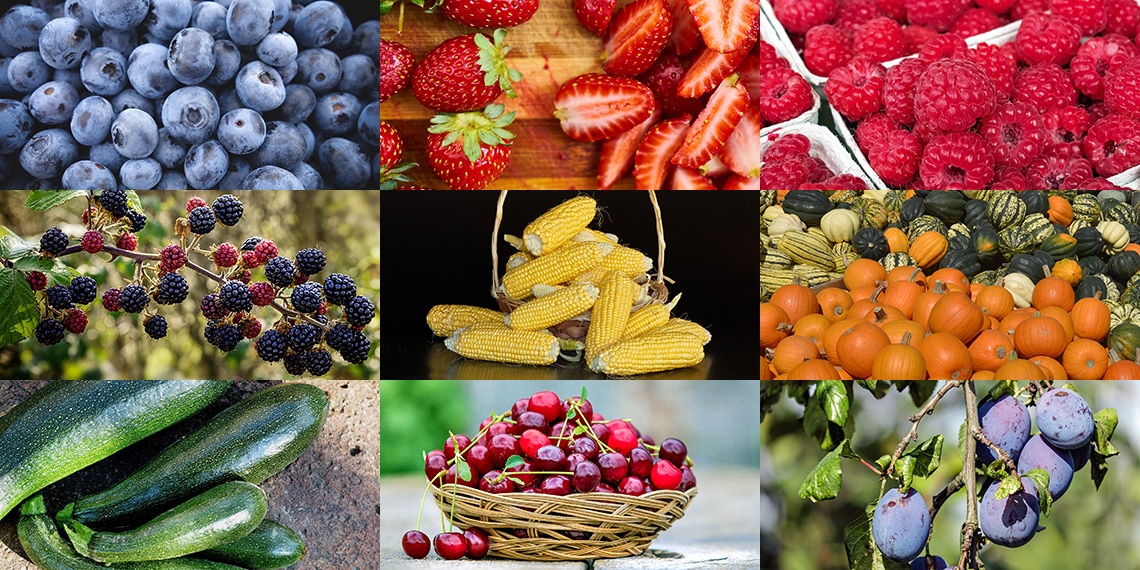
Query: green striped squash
point(1005, 210)
point(1060, 246)
point(1118, 212)
point(923, 224)
point(900, 259)
point(1038, 228)
point(775, 259)
point(872, 214)
point(1012, 241)
point(1086, 208)
point(807, 248)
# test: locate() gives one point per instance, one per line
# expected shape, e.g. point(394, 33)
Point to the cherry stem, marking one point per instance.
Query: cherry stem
point(424, 497)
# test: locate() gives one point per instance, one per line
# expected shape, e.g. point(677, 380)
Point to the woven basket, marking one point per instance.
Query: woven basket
point(612, 525)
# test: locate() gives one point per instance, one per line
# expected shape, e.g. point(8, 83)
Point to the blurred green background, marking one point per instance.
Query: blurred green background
point(345, 224)
point(1086, 528)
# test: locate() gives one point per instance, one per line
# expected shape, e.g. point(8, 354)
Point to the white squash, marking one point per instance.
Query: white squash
point(839, 225)
point(1114, 235)
point(785, 223)
point(1021, 287)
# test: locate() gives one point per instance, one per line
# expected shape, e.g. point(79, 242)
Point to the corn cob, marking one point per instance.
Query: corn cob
point(554, 269)
point(676, 325)
point(499, 343)
point(543, 289)
point(649, 353)
point(610, 314)
point(589, 234)
point(518, 258)
point(645, 319)
point(515, 242)
point(627, 260)
point(446, 319)
point(560, 223)
point(553, 308)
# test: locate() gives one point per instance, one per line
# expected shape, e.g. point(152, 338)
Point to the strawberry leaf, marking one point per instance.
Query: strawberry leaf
point(492, 60)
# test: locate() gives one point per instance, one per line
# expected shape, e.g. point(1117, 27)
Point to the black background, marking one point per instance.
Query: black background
point(435, 249)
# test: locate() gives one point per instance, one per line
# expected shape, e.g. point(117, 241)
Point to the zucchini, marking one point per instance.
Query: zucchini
point(67, 426)
point(270, 545)
point(47, 549)
point(222, 514)
point(249, 441)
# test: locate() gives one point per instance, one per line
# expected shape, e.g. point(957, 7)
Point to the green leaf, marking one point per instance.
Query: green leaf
point(1098, 467)
point(799, 391)
point(20, 315)
point(48, 199)
point(13, 247)
point(462, 469)
point(769, 396)
point(1008, 486)
point(1040, 478)
point(927, 456)
point(998, 390)
point(1105, 421)
point(862, 554)
point(833, 398)
point(34, 263)
point(580, 429)
point(825, 478)
point(997, 469)
point(817, 425)
point(920, 392)
point(472, 149)
point(877, 388)
point(583, 392)
point(513, 461)
point(904, 471)
point(883, 461)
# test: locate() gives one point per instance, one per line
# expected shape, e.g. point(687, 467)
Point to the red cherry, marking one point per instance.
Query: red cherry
point(546, 403)
point(665, 475)
point(450, 545)
point(459, 441)
point(622, 440)
point(477, 543)
point(416, 544)
point(531, 441)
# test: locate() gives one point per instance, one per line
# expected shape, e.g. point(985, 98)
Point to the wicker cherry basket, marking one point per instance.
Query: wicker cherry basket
point(580, 526)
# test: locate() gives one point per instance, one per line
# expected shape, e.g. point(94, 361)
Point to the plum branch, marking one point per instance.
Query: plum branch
point(926, 410)
point(970, 527)
point(996, 449)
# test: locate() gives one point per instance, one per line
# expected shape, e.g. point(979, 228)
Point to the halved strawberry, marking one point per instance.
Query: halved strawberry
point(741, 151)
point(468, 151)
point(686, 38)
point(637, 34)
point(617, 153)
point(651, 164)
point(595, 15)
point(593, 107)
point(726, 25)
point(708, 70)
point(685, 178)
point(465, 73)
point(750, 73)
point(663, 78)
point(741, 183)
point(715, 168)
point(714, 125)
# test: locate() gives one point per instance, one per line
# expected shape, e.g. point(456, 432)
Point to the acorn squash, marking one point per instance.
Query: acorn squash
point(809, 205)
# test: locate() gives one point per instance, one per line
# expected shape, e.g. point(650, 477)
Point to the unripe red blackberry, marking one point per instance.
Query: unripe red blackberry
point(93, 242)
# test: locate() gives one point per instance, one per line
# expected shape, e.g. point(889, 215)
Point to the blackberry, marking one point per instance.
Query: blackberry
point(266, 250)
point(307, 298)
point(194, 203)
point(172, 289)
point(311, 261)
point(235, 296)
point(225, 337)
point(54, 241)
point(251, 243)
point(251, 327)
point(359, 311)
point(128, 241)
point(338, 336)
point(138, 220)
point(296, 363)
point(303, 336)
point(75, 321)
point(155, 326)
point(356, 348)
point(225, 255)
point(212, 307)
point(202, 220)
point(279, 271)
point(261, 293)
point(49, 332)
point(339, 288)
point(134, 299)
point(271, 346)
point(115, 201)
point(83, 290)
point(59, 297)
point(228, 209)
point(172, 258)
point(36, 280)
point(93, 242)
point(319, 362)
point(111, 300)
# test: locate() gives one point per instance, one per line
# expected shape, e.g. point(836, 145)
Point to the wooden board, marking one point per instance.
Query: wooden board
point(549, 50)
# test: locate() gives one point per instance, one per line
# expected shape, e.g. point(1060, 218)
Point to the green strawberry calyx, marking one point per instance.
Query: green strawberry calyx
point(389, 179)
point(475, 128)
point(493, 62)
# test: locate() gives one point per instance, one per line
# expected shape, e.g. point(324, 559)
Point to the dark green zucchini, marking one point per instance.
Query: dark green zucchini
point(67, 426)
point(222, 514)
point(271, 545)
point(47, 549)
point(249, 441)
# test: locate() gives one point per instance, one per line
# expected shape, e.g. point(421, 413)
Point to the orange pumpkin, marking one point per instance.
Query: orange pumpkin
point(906, 273)
point(991, 349)
point(812, 328)
point(1091, 319)
point(929, 248)
point(1018, 370)
point(858, 346)
point(902, 296)
point(1010, 322)
point(925, 303)
point(774, 325)
point(884, 314)
point(897, 329)
point(814, 370)
point(899, 362)
point(956, 314)
point(1121, 369)
point(1039, 336)
point(1060, 210)
point(864, 293)
point(1085, 360)
point(831, 338)
point(1052, 369)
point(796, 300)
point(946, 357)
point(896, 240)
point(1069, 271)
point(792, 351)
point(766, 371)
point(863, 273)
point(995, 300)
point(1061, 316)
point(1053, 292)
point(1132, 247)
point(834, 303)
point(983, 375)
point(951, 277)
point(861, 308)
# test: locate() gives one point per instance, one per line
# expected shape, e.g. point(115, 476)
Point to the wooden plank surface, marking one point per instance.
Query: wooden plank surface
point(549, 50)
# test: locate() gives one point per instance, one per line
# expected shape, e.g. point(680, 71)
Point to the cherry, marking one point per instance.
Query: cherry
point(498, 428)
point(597, 418)
point(477, 457)
point(640, 462)
point(562, 434)
point(585, 410)
point(617, 424)
point(644, 437)
point(622, 440)
point(665, 475)
point(531, 440)
point(529, 490)
point(502, 447)
point(604, 487)
point(688, 480)
point(416, 544)
point(486, 422)
point(522, 473)
point(585, 446)
point(518, 408)
point(549, 458)
point(477, 543)
point(586, 477)
point(614, 467)
point(546, 403)
point(556, 485)
point(601, 431)
point(450, 545)
point(575, 534)
point(434, 463)
point(450, 445)
point(630, 486)
point(472, 481)
point(486, 483)
point(674, 451)
point(531, 420)
point(573, 460)
point(519, 532)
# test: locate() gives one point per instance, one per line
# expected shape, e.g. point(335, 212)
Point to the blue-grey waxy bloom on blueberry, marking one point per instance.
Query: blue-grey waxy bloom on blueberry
point(318, 68)
point(147, 71)
point(53, 102)
point(170, 151)
point(318, 24)
point(167, 17)
point(241, 131)
point(140, 173)
point(172, 180)
point(81, 10)
point(366, 39)
point(131, 99)
point(235, 175)
point(48, 152)
point(284, 146)
point(88, 175)
point(15, 125)
point(210, 16)
point(27, 71)
point(247, 21)
point(104, 71)
point(299, 104)
point(106, 154)
point(336, 113)
point(227, 62)
point(120, 14)
point(359, 76)
point(271, 178)
point(20, 26)
point(206, 164)
point(191, 114)
point(91, 121)
point(134, 134)
point(191, 56)
point(343, 163)
point(277, 49)
point(368, 125)
point(310, 177)
point(64, 42)
point(259, 86)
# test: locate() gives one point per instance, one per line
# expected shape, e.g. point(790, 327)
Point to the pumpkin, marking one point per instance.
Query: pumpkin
point(897, 329)
point(1004, 209)
point(883, 314)
point(814, 370)
point(785, 223)
point(1059, 246)
point(1124, 338)
point(834, 303)
point(812, 327)
point(995, 300)
point(839, 225)
point(948, 206)
point(902, 296)
point(896, 240)
point(870, 243)
point(1121, 369)
point(985, 243)
point(861, 308)
point(774, 325)
point(947, 358)
point(1053, 292)
point(1050, 367)
point(863, 273)
point(928, 249)
point(1085, 360)
point(1069, 271)
point(1124, 265)
point(796, 300)
point(1090, 319)
point(924, 304)
point(858, 346)
point(983, 375)
point(991, 349)
point(792, 351)
point(1060, 210)
point(1061, 316)
point(1039, 336)
point(1018, 370)
point(1010, 322)
point(766, 372)
point(899, 362)
point(951, 277)
point(907, 273)
point(956, 314)
point(809, 205)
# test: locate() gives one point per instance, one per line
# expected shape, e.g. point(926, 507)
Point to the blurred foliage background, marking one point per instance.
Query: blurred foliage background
point(345, 224)
point(1087, 528)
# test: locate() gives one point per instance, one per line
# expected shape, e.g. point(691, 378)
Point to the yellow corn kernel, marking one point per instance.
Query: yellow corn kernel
point(627, 260)
point(645, 319)
point(676, 325)
point(560, 223)
point(499, 343)
point(610, 314)
point(554, 269)
point(517, 259)
point(649, 353)
point(446, 319)
point(589, 234)
point(542, 289)
point(553, 308)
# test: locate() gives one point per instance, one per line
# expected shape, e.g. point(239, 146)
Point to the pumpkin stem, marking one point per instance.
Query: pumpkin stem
point(878, 290)
point(905, 338)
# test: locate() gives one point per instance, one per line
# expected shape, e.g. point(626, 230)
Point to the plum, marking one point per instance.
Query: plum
point(1058, 462)
point(1011, 521)
point(1065, 419)
point(1081, 456)
point(901, 524)
point(1005, 422)
point(931, 563)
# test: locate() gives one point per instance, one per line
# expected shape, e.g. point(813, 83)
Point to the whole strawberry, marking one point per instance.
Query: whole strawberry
point(396, 63)
point(595, 15)
point(468, 151)
point(465, 73)
point(490, 13)
point(391, 146)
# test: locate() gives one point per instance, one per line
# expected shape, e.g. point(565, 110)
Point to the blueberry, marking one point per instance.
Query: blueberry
point(53, 102)
point(345, 165)
point(48, 153)
point(299, 104)
point(81, 10)
point(122, 41)
point(228, 100)
point(239, 168)
point(319, 69)
point(170, 152)
point(88, 175)
point(210, 16)
point(167, 17)
point(366, 39)
point(15, 125)
point(284, 146)
point(289, 71)
point(134, 134)
point(247, 21)
point(63, 43)
point(318, 24)
point(191, 56)
point(282, 10)
point(27, 71)
point(147, 71)
point(343, 38)
point(172, 180)
point(270, 178)
point(310, 177)
point(368, 125)
point(191, 114)
point(337, 113)
point(5, 86)
point(140, 173)
point(277, 49)
point(120, 14)
point(131, 99)
point(227, 62)
point(206, 164)
point(359, 75)
point(91, 121)
point(310, 140)
point(105, 153)
point(104, 71)
point(259, 86)
point(20, 26)
point(242, 131)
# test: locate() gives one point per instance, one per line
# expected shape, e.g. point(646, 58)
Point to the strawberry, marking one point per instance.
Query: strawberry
point(651, 164)
point(396, 63)
point(663, 79)
point(741, 151)
point(726, 25)
point(708, 70)
point(465, 73)
point(685, 178)
point(738, 182)
point(617, 153)
point(685, 39)
point(714, 168)
point(750, 73)
point(637, 34)
point(593, 107)
point(413, 187)
point(595, 15)
point(714, 125)
point(468, 151)
point(490, 13)
point(391, 146)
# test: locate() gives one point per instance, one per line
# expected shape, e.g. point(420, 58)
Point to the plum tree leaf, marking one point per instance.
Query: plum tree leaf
point(20, 316)
point(920, 392)
point(877, 388)
point(862, 554)
point(998, 390)
point(816, 419)
point(769, 396)
point(1040, 478)
point(799, 391)
point(996, 469)
point(883, 462)
point(1008, 486)
point(904, 471)
point(826, 477)
point(833, 398)
point(1105, 421)
point(927, 456)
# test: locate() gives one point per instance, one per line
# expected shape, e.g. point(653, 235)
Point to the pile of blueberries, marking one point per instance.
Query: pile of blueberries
point(180, 94)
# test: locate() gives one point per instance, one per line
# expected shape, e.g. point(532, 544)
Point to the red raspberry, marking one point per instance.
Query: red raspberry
point(852, 14)
point(1045, 86)
point(1098, 183)
point(1097, 59)
point(893, 8)
point(996, 6)
point(825, 48)
point(1058, 172)
point(1091, 16)
point(172, 258)
point(976, 21)
point(1098, 111)
point(194, 203)
point(1122, 91)
point(784, 95)
point(1113, 144)
point(1047, 38)
point(1123, 17)
point(262, 293)
point(938, 14)
point(1009, 178)
point(111, 300)
point(36, 280)
point(945, 46)
point(956, 161)
point(841, 182)
point(999, 63)
point(856, 89)
point(1015, 133)
point(93, 242)
point(251, 259)
point(881, 40)
point(798, 16)
point(951, 95)
point(75, 321)
point(225, 255)
point(1025, 7)
point(1066, 127)
point(874, 130)
point(266, 250)
point(128, 241)
point(787, 147)
point(251, 327)
point(789, 174)
point(898, 94)
point(918, 36)
point(769, 59)
point(897, 161)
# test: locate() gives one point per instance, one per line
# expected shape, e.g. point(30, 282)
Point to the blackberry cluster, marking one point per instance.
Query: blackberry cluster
point(83, 290)
point(296, 363)
point(339, 288)
point(155, 326)
point(172, 289)
point(307, 298)
point(338, 336)
point(134, 299)
point(271, 346)
point(311, 261)
point(54, 241)
point(115, 202)
point(212, 307)
point(303, 336)
point(280, 271)
point(359, 312)
point(202, 220)
point(75, 321)
point(49, 332)
point(228, 209)
point(319, 362)
point(356, 348)
point(251, 243)
point(235, 297)
point(59, 297)
point(138, 220)
point(224, 336)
